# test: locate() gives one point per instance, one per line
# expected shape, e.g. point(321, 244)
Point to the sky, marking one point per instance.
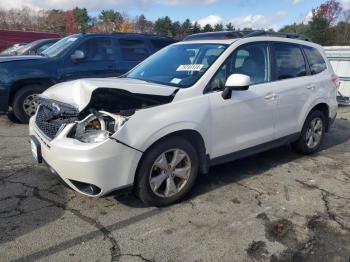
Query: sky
point(258, 14)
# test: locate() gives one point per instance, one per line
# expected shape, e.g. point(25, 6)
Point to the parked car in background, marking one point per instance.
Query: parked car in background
point(12, 49)
point(210, 99)
point(10, 37)
point(36, 47)
point(22, 78)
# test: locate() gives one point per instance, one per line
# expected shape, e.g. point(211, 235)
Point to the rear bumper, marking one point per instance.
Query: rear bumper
point(331, 121)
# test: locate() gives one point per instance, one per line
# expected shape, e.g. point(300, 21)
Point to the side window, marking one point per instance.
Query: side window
point(316, 61)
point(290, 61)
point(98, 49)
point(43, 47)
point(252, 60)
point(133, 50)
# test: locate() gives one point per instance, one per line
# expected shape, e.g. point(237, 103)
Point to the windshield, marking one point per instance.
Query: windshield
point(178, 65)
point(25, 48)
point(22, 49)
point(11, 49)
point(59, 47)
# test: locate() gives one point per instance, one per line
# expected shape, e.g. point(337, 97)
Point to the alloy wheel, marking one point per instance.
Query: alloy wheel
point(30, 104)
point(170, 173)
point(314, 133)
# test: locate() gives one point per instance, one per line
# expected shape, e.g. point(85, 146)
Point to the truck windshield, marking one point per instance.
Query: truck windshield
point(59, 47)
point(180, 65)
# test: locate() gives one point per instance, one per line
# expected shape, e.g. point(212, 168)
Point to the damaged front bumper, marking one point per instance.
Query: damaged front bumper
point(92, 169)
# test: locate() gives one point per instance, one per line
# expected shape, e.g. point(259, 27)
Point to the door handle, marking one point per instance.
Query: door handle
point(311, 87)
point(271, 96)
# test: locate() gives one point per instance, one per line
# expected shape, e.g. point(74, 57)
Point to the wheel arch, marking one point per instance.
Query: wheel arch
point(324, 108)
point(195, 138)
point(19, 84)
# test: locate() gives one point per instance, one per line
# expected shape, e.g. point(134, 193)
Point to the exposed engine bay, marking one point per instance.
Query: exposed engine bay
point(106, 112)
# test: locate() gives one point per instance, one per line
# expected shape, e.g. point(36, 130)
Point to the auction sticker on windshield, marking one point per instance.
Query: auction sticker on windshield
point(194, 67)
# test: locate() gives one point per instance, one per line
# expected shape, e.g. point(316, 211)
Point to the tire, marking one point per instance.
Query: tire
point(160, 193)
point(26, 98)
point(304, 144)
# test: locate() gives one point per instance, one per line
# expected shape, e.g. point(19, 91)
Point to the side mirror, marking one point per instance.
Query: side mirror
point(32, 52)
point(235, 82)
point(77, 55)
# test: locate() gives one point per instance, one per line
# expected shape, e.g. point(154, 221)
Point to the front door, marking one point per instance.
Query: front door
point(248, 118)
point(99, 60)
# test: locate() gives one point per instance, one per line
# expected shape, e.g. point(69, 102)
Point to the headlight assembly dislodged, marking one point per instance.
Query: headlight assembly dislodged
point(98, 127)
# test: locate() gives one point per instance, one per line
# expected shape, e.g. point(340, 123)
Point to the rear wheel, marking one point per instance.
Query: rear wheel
point(167, 172)
point(312, 135)
point(25, 102)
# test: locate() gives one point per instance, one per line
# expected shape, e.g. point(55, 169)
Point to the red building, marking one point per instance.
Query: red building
point(11, 37)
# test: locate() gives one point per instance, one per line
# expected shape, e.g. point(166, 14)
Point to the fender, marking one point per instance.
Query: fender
point(167, 130)
point(149, 125)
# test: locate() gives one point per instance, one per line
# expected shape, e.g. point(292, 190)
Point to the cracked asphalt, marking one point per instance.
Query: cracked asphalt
point(275, 206)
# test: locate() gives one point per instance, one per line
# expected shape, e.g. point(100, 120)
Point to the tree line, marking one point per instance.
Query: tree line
point(78, 20)
point(329, 24)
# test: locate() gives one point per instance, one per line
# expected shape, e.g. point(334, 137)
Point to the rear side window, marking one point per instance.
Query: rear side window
point(133, 50)
point(158, 44)
point(290, 61)
point(316, 61)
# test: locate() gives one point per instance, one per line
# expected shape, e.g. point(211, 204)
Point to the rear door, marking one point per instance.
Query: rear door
point(99, 61)
point(130, 53)
point(293, 87)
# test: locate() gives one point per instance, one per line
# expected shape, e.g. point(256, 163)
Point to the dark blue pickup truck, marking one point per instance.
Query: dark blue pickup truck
point(22, 78)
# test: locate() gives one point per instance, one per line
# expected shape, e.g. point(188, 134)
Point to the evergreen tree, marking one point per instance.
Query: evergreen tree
point(230, 27)
point(208, 28)
point(218, 27)
point(82, 18)
point(163, 26)
point(196, 28)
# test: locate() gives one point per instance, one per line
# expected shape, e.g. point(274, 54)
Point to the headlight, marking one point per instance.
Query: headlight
point(97, 127)
point(93, 136)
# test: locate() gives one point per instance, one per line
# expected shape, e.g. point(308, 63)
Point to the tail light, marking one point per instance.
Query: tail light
point(336, 80)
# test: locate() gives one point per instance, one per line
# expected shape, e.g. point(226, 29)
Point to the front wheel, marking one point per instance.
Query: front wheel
point(167, 172)
point(312, 135)
point(25, 102)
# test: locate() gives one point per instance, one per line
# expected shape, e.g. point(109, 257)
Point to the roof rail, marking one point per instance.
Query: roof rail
point(242, 34)
point(142, 34)
point(214, 35)
point(277, 34)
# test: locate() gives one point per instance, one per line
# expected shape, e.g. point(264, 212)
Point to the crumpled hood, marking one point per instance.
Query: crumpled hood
point(4, 59)
point(78, 92)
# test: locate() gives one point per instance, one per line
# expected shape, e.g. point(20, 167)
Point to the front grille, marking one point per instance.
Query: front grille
point(52, 116)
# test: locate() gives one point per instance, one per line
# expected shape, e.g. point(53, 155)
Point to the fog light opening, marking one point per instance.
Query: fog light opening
point(86, 188)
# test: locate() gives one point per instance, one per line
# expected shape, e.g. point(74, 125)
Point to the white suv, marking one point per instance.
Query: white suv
point(207, 100)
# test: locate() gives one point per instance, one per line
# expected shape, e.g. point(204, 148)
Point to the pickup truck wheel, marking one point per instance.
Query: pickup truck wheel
point(167, 172)
point(312, 134)
point(25, 102)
